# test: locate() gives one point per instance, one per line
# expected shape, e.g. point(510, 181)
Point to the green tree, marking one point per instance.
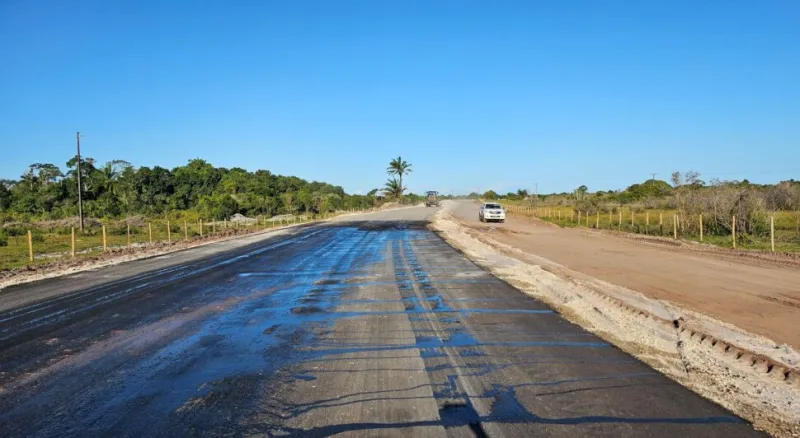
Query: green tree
point(393, 188)
point(289, 200)
point(399, 167)
point(490, 194)
point(217, 206)
point(6, 197)
point(580, 192)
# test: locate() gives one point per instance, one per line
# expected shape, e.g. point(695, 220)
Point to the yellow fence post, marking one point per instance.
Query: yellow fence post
point(733, 231)
point(772, 232)
point(150, 232)
point(597, 223)
point(105, 243)
point(129, 234)
point(73, 242)
point(169, 235)
point(185, 230)
point(701, 227)
point(30, 246)
point(675, 226)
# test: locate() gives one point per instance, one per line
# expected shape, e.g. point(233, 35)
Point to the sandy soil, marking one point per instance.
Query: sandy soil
point(757, 297)
point(747, 373)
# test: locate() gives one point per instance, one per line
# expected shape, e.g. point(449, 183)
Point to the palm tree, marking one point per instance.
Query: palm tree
point(107, 177)
point(399, 167)
point(393, 188)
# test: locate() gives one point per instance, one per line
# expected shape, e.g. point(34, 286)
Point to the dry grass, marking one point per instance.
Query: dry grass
point(664, 222)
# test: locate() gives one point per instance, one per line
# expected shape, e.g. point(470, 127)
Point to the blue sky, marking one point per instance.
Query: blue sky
point(475, 94)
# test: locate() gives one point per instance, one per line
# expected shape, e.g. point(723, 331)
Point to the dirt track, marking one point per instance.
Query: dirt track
point(756, 297)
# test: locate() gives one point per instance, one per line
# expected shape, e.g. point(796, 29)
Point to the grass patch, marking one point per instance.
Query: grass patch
point(663, 222)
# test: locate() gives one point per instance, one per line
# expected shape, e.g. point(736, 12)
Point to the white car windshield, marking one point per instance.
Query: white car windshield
point(492, 206)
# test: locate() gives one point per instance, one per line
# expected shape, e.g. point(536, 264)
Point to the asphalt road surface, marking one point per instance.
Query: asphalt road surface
point(372, 326)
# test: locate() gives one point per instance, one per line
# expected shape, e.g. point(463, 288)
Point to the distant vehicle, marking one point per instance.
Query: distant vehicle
point(432, 201)
point(491, 212)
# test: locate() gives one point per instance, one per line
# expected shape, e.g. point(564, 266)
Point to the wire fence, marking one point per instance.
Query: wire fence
point(775, 232)
point(31, 245)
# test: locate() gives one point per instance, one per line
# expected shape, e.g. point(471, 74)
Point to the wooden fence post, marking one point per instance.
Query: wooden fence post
point(701, 227)
point(597, 222)
point(225, 223)
point(579, 217)
point(169, 235)
point(185, 230)
point(675, 225)
point(129, 234)
point(105, 243)
point(572, 216)
point(73, 242)
point(150, 232)
point(619, 224)
point(586, 213)
point(30, 246)
point(733, 231)
point(661, 224)
point(647, 223)
point(772, 232)
point(610, 221)
point(201, 228)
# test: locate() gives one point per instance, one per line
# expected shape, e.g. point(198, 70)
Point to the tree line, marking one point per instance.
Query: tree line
point(117, 188)
point(716, 201)
point(653, 193)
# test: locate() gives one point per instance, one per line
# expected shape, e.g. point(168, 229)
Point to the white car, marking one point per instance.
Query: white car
point(491, 212)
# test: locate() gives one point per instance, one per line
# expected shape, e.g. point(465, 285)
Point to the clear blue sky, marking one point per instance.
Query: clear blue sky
point(476, 94)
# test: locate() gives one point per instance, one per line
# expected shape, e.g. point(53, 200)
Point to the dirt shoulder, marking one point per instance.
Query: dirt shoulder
point(746, 373)
point(755, 296)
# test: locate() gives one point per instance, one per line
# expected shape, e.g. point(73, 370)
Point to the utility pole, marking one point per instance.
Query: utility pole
point(654, 176)
point(80, 199)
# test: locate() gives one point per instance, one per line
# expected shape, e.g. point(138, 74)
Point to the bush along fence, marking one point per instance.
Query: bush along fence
point(775, 232)
point(32, 244)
